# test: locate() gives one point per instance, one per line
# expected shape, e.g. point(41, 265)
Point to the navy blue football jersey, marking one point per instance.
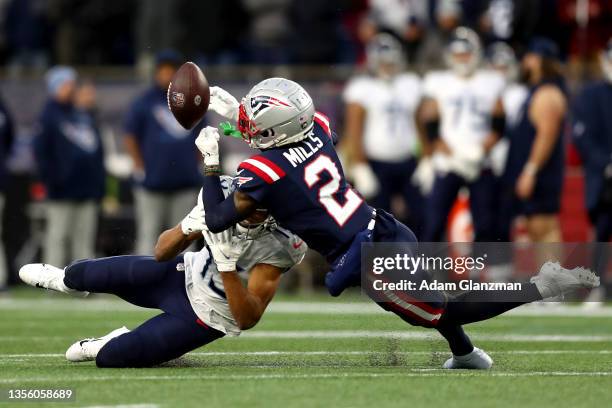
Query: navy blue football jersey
point(303, 187)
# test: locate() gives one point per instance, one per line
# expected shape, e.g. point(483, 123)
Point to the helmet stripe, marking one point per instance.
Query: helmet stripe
point(323, 121)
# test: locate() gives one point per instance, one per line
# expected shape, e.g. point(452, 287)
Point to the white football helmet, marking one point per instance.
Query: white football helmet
point(275, 112)
point(464, 51)
point(385, 55)
point(501, 57)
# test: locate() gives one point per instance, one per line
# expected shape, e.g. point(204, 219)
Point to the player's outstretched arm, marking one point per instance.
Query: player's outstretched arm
point(221, 213)
point(172, 242)
point(248, 304)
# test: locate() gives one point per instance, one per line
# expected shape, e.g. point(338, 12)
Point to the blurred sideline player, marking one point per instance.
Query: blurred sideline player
point(592, 135)
point(464, 119)
point(298, 177)
point(381, 134)
point(201, 294)
point(501, 58)
point(534, 169)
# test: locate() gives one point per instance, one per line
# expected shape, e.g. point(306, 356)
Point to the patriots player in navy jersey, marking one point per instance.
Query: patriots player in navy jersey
point(298, 177)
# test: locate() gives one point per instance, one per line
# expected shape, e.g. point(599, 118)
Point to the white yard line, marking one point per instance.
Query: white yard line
point(288, 307)
point(326, 353)
point(408, 335)
point(406, 373)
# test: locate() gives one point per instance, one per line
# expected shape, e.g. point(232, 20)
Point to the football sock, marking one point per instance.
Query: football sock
point(458, 341)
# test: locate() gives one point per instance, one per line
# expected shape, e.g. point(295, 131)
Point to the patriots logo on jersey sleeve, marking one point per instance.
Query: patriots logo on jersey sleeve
point(260, 103)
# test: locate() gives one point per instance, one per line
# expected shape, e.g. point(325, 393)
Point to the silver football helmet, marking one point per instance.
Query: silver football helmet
point(501, 57)
point(275, 112)
point(464, 51)
point(384, 55)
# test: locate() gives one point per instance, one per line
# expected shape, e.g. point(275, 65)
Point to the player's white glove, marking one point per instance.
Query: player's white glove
point(365, 180)
point(225, 248)
point(467, 162)
point(223, 103)
point(424, 175)
point(208, 144)
point(194, 221)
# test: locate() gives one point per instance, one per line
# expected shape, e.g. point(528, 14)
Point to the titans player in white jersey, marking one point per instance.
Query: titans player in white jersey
point(381, 131)
point(200, 293)
point(464, 119)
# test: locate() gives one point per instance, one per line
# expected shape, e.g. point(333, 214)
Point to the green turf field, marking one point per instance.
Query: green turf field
point(314, 354)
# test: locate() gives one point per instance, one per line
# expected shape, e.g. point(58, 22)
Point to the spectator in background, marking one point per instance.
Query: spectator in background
point(510, 21)
point(588, 24)
point(268, 30)
point(212, 31)
point(68, 151)
point(405, 19)
point(534, 170)
point(27, 33)
point(316, 30)
point(166, 170)
point(592, 135)
point(6, 142)
point(158, 27)
point(381, 132)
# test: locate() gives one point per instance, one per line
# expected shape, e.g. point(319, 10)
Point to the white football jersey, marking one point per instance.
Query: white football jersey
point(465, 104)
point(389, 130)
point(204, 284)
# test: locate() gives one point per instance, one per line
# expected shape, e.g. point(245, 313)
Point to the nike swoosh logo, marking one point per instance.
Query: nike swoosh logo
point(222, 253)
point(296, 245)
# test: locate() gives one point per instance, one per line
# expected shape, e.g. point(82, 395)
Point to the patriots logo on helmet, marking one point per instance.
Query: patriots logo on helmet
point(260, 103)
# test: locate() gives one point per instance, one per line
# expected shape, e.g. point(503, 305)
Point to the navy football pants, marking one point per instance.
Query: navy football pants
point(433, 309)
point(144, 282)
point(483, 193)
point(395, 179)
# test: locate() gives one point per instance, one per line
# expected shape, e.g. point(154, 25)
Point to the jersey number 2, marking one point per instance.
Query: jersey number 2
point(328, 191)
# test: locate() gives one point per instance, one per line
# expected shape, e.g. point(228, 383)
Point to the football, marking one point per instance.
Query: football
point(188, 95)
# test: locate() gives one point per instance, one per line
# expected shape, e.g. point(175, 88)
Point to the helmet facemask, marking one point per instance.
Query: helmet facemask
point(249, 230)
point(463, 53)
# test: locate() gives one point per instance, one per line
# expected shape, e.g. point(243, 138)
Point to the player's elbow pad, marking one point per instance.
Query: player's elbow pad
point(498, 124)
point(432, 129)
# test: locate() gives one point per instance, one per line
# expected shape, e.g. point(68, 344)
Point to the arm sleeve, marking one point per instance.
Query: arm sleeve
point(584, 131)
point(220, 212)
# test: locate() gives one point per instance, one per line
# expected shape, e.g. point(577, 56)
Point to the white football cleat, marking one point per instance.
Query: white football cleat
point(476, 360)
point(47, 276)
point(88, 349)
point(554, 280)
